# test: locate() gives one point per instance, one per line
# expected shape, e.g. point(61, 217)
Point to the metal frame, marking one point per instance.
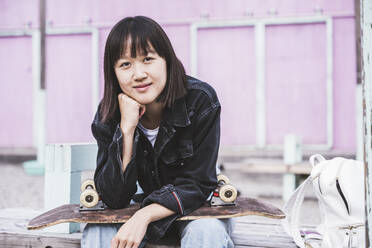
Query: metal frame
point(260, 25)
point(35, 38)
point(39, 96)
point(94, 32)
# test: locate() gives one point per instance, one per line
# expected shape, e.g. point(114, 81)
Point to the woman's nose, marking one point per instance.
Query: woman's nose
point(139, 72)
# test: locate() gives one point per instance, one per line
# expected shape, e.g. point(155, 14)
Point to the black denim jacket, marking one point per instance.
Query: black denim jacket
point(178, 173)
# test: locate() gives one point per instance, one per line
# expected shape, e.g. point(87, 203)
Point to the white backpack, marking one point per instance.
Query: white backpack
point(339, 187)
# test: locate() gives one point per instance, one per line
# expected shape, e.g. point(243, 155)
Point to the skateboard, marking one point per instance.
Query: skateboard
point(224, 203)
point(224, 194)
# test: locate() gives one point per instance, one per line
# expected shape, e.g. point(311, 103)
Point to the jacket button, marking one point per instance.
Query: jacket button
point(153, 173)
point(182, 163)
point(145, 152)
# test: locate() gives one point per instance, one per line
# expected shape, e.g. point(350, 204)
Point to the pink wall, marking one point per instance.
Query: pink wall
point(226, 59)
point(296, 82)
point(69, 88)
point(68, 12)
point(295, 66)
point(344, 84)
point(16, 92)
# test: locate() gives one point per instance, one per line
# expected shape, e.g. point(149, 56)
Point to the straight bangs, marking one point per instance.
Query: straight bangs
point(137, 37)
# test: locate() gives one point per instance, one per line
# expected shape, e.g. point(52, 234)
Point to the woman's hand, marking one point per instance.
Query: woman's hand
point(131, 111)
point(132, 232)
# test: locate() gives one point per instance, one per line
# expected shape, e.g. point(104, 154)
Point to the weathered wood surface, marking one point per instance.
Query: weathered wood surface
point(365, 7)
point(269, 166)
point(71, 213)
point(249, 231)
point(13, 232)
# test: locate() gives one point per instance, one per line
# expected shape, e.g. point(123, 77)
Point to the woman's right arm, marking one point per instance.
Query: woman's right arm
point(116, 174)
point(130, 112)
point(127, 147)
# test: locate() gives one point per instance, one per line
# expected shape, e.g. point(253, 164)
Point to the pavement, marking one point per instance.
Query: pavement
point(20, 190)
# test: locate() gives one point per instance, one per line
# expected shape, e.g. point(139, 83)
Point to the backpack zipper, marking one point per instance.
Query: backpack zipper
point(342, 195)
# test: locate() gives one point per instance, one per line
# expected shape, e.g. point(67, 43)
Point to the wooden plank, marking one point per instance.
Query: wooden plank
point(274, 168)
point(227, 152)
point(260, 232)
point(36, 241)
point(366, 47)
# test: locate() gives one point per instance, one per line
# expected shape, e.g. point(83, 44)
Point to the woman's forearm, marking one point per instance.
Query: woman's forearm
point(154, 212)
point(127, 146)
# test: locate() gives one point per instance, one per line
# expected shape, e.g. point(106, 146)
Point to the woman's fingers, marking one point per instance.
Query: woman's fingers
point(130, 111)
point(142, 110)
point(132, 232)
point(124, 244)
point(129, 244)
point(126, 100)
point(115, 242)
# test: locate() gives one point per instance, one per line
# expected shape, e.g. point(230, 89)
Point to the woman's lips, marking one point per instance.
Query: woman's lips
point(142, 87)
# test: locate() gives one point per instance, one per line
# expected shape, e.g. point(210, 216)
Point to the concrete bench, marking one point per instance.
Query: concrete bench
point(65, 163)
point(64, 167)
point(249, 231)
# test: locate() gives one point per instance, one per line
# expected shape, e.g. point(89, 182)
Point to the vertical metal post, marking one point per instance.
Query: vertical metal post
point(95, 70)
point(39, 94)
point(194, 49)
point(42, 43)
point(292, 154)
point(41, 98)
point(260, 39)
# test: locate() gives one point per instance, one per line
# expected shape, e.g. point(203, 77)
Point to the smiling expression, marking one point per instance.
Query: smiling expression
point(143, 78)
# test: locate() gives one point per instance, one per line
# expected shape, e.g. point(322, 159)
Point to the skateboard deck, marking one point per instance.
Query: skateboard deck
point(70, 213)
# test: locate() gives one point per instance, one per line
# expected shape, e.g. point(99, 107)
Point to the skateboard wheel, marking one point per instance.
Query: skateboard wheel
point(89, 198)
point(86, 184)
point(222, 179)
point(228, 193)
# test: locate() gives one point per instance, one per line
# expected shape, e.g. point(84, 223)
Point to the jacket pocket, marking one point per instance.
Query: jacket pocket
point(177, 155)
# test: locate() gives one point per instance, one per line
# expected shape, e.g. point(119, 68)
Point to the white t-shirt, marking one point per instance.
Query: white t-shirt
point(150, 133)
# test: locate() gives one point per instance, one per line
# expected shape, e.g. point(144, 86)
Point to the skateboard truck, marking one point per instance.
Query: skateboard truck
point(225, 193)
point(89, 198)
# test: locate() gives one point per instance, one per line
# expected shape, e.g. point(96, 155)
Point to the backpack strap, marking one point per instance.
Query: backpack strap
point(292, 210)
point(293, 206)
point(316, 159)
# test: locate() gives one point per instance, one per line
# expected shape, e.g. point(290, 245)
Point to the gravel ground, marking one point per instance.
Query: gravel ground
point(19, 190)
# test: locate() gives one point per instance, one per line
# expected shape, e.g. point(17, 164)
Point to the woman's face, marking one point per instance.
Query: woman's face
point(143, 78)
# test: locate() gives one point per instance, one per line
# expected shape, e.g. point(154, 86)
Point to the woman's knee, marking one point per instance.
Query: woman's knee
point(98, 235)
point(206, 233)
point(205, 225)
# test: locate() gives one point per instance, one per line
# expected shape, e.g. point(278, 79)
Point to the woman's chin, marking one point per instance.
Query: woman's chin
point(144, 101)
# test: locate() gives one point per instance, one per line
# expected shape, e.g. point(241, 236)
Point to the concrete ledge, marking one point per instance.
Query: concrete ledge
point(15, 155)
point(249, 231)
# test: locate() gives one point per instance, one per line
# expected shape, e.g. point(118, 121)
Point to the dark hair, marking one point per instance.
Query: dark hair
point(142, 31)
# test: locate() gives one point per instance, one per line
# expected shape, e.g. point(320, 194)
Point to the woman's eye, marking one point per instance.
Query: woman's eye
point(148, 59)
point(125, 65)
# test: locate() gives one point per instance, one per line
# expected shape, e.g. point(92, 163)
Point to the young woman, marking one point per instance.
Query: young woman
point(158, 128)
